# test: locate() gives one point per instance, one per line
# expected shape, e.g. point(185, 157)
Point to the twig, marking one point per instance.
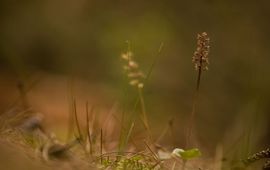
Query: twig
point(76, 119)
point(153, 153)
point(101, 159)
point(88, 129)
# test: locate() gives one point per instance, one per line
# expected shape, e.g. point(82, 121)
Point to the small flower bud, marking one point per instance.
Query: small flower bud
point(134, 82)
point(133, 64)
point(140, 85)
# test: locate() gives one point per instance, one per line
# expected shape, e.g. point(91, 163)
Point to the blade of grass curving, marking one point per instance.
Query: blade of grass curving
point(121, 140)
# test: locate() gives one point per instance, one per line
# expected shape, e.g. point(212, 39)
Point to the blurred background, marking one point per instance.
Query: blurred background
point(48, 44)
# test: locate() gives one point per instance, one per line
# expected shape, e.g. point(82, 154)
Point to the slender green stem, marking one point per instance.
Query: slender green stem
point(123, 129)
point(129, 134)
point(144, 115)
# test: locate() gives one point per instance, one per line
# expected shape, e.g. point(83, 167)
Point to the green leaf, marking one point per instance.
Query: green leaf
point(188, 154)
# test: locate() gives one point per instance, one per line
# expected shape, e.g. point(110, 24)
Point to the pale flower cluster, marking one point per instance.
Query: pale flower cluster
point(132, 70)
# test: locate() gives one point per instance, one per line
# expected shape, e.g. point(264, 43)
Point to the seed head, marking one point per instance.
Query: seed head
point(200, 57)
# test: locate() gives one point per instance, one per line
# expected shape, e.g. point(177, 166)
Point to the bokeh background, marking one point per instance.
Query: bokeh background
point(50, 42)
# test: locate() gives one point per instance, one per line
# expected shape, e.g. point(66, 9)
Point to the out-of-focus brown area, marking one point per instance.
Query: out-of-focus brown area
point(58, 43)
point(13, 157)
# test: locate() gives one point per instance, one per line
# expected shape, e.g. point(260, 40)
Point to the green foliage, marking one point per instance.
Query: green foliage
point(188, 154)
point(137, 162)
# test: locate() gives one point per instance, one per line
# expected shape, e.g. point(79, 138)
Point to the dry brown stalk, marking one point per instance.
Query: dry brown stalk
point(201, 62)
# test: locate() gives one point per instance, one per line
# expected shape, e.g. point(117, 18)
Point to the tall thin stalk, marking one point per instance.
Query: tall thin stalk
point(77, 120)
point(101, 145)
point(200, 60)
point(88, 128)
